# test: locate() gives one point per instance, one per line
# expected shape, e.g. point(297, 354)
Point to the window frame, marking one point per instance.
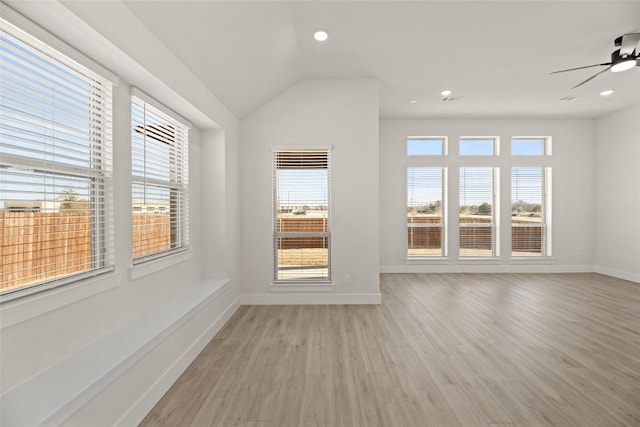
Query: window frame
point(546, 248)
point(546, 146)
point(98, 171)
point(495, 214)
point(177, 183)
point(495, 146)
point(443, 224)
point(443, 147)
point(305, 282)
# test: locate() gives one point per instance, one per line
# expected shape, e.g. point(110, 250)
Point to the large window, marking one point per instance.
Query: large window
point(478, 216)
point(478, 163)
point(301, 229)
point(55, 166)
point(160, 180)
point(426, 211)
point(530, 211)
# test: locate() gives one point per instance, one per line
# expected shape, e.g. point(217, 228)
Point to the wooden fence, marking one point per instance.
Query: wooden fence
point(302, 225)
point(151, 233)
point(524, 238)
point(36, 246)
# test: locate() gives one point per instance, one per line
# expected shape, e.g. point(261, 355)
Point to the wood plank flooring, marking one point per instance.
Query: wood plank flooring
point(442, 350)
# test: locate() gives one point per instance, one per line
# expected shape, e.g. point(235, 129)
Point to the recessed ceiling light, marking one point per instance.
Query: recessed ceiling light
point(413, 101)
point(446, 92)
point(320, 35)
point(606, 92)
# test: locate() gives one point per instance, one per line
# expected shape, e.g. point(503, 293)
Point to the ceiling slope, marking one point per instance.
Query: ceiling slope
point(495, 56)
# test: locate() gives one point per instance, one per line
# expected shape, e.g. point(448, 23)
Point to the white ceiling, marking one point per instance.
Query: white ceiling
point(496, 55)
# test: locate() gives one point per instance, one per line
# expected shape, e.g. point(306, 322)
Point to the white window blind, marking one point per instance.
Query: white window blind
point(478, 213)
point(530, 211)
point(160, 181)
point(55, 166)
point(426, 211)
point(301, 215)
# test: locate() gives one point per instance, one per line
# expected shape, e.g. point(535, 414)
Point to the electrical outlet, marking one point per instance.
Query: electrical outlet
point(347, 279)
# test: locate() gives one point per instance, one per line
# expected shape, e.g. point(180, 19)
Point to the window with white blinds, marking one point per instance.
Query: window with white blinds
point(160, 181)
point(426, 211)
point(530, 211)
point(478, 218)
point(55, 166)
point(301, 229)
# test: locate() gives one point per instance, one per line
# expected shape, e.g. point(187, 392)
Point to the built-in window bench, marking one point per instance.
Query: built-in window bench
point(53, 395)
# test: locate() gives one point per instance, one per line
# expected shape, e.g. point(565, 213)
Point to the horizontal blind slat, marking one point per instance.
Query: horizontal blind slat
point(159, 150)
point(55, 165)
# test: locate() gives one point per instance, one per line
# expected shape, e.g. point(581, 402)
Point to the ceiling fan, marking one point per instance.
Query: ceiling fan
point(622, 59)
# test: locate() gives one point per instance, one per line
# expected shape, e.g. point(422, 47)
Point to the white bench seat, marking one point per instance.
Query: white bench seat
point(53, 395)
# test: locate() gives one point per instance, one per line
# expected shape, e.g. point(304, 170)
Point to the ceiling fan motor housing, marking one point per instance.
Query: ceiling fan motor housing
point(616, 57)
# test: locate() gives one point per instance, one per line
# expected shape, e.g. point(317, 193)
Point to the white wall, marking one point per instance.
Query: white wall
point(573, 191)
point(618, 194)
point(316, 113)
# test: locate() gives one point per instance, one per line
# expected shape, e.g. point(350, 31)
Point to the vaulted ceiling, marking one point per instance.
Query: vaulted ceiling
point(496, 56)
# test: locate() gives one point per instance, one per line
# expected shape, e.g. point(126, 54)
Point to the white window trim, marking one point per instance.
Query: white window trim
point(303, 285)
point(445, 255)
point(495, 211)
point(145, 265)
point(548, 257)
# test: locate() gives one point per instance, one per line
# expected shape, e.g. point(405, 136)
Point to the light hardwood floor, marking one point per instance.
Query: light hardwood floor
point(441, 350)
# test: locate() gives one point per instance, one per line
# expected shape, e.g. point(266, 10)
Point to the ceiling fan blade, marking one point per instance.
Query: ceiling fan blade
point(627, 43)
point(592, 77)
point(580, 68)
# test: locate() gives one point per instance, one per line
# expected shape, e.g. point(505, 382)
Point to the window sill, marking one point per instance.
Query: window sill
point(17, 308)
point(157, 264)
point(302, 287)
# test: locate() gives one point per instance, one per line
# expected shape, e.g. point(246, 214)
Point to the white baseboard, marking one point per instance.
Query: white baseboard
point(282, 298)
point(619, 274)
point(141, 407)
point(475, 268)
